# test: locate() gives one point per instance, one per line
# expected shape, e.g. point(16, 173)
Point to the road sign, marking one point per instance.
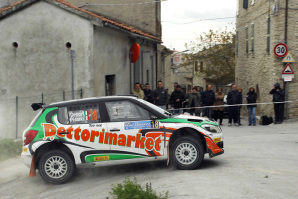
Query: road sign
point(288, 58)
point(288, 78)
point(280, 50)
point(288, 70)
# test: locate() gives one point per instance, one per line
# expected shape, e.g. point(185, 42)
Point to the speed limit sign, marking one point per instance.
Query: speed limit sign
point(280, 50)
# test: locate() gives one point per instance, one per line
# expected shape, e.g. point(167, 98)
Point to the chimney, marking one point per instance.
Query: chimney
point(4, 3)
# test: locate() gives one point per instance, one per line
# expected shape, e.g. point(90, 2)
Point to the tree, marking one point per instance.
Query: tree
point(217, 50)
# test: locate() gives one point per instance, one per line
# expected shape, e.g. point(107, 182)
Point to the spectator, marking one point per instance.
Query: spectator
point(201, 91)
point(175, 86)
point(208, 99)
point(251, 98)
point(142, 86)
point(137, 91)
point(160, 96)
point(278, 96)
point(148, 93)
point(193, 101)
point(176, 99)
point(198, 89)
point(234, 97)
point(239, 114)
point(219, 101)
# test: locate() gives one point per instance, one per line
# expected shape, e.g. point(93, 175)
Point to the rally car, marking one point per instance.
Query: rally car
point(114, 130)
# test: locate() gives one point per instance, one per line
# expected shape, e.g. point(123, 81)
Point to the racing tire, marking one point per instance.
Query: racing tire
point(56, 167)
point(187, 153)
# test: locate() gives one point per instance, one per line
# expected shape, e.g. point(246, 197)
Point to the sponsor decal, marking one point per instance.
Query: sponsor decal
point(137, 125)
point(138, 141)
point(101, 158)
point(141, 125)
point(25, 149)
point(81, 115)
point(217, 139)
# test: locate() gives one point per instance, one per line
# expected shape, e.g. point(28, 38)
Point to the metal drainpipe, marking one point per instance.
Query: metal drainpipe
point(287, 85)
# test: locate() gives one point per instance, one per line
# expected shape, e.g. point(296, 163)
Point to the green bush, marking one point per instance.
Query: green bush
point(10, 148)
point(132, 190)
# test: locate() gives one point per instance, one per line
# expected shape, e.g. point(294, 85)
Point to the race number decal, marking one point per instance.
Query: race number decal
point(155, 124)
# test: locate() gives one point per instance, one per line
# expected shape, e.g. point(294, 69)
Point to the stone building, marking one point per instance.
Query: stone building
point(37, 38)
point(187, 75)
point(260, 26)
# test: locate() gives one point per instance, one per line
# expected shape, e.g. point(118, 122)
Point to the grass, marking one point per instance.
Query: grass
point(132, 190)
point(10, 148)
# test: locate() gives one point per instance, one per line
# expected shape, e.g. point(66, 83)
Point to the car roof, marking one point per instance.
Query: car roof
point(89, 100)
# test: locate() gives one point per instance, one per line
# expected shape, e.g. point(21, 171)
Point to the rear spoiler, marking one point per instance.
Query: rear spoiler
point(36, 106)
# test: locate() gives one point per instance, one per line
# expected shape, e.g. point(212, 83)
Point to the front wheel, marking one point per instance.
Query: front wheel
point(56, 167)
point(187, 153)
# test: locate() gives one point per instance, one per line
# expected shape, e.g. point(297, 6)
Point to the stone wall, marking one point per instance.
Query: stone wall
point(260, 69)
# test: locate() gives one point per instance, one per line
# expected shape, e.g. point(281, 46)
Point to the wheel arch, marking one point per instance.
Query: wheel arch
point(51, 146)
point(188, 131)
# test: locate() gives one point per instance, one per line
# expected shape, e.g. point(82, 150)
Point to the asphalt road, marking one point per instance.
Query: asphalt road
point(259, 162)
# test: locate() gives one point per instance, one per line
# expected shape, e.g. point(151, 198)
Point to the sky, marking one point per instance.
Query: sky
point(178, 16)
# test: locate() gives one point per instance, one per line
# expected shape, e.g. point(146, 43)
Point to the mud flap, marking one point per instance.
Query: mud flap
point(168, 161)
point(32, 172)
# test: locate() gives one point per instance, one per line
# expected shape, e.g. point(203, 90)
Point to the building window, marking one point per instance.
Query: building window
point(268, 35)
point(110, 85)
point(252, 39)
point(237, 35)
point(196, 66)
point(201, 66)
point(245, 4)
point(246, 40)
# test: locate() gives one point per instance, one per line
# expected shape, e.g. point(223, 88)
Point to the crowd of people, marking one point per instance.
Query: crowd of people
point(208, 103)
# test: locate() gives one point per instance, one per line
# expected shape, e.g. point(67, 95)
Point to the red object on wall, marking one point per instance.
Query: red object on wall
point(134, 52)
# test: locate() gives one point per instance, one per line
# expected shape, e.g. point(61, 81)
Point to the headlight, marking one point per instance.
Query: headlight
point(211, 128)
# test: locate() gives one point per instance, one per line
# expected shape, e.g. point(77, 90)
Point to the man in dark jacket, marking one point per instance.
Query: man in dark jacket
point(160, 96)
point(208, 99)
point(234, 97)
point(148, 93)
point(176, 99)
point(278, 96)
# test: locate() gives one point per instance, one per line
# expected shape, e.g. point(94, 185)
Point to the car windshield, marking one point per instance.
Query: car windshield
point(156, 108)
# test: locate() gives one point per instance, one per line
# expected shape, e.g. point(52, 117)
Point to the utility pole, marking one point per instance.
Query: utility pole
point(287, 85)
point(72, 57)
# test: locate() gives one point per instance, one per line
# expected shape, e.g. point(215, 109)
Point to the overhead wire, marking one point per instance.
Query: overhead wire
point(198, 20)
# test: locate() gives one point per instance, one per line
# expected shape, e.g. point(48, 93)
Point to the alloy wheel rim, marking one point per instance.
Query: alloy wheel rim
point(55, 167)
point(186, 153)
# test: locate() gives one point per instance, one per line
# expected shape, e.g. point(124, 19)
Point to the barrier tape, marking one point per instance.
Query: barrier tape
point(226, 105)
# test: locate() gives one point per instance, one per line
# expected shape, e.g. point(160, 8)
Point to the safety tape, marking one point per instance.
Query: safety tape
point(226, 105)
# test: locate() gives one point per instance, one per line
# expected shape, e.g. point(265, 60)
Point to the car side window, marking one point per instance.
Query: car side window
point(79, 114)
point(120, 111)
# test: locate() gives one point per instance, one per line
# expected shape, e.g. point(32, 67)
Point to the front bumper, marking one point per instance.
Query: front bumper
point(214, 148)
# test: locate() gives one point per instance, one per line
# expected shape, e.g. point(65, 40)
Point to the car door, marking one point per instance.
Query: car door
point(85, 130)
point(131, 132)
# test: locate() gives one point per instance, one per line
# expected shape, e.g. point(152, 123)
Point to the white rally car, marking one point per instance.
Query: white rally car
point(113, 130)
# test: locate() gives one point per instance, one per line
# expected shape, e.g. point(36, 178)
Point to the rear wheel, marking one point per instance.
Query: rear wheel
point(56, 167)
point(187, 153)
